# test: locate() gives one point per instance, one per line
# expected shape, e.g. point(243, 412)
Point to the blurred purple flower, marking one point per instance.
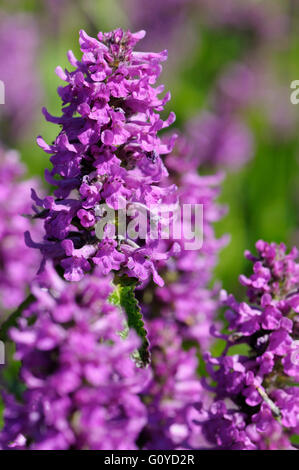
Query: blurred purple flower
point(182, 312)
point(220, 140)
point(248, 16)
point(187, 297)
point(104, 154)
point(161, 20)
point(18, 71)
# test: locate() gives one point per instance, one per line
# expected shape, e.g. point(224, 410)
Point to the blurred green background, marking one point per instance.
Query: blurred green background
point(262, 197)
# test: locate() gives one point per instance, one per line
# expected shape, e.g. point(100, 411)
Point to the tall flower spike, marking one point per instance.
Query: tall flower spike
point(19, 45)
point(262, 383)
point(107, 152)
point(185, 308)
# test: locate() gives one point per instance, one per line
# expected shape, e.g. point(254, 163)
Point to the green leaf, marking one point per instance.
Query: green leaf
point(124, 297)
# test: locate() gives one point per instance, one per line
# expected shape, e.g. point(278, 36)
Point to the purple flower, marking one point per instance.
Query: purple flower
point(110, 123)
point(18, 263)
point(108, 258)
point(18, 51)
point(82, 387)
point(186, 306)
point(260, 384)
point(186, 297)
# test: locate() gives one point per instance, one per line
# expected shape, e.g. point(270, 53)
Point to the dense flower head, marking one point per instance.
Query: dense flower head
point(221, 140)
point(236, 87)
point(173, 390)
point(255, 19)
point(108, 152)
point(187, 297)
point(82, 385)
point(18, 51)
point(182, 311)
point(261, 383)
point(18, 263)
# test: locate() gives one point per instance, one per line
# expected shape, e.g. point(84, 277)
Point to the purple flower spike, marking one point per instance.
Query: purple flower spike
point(82, 386)
point(18, 263)
point(19, 43)
point(107, 152)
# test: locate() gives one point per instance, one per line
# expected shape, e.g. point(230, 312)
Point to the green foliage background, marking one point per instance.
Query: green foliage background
point(263, 198)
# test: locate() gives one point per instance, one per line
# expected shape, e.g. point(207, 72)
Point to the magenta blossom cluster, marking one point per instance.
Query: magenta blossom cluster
point(220, 138)
point(260, 385)
point(163, 21)
point(81, 384)
point(107, 153)
point(18, 263)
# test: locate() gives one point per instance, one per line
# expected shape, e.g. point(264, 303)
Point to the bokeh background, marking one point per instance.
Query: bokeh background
point(231, 63)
